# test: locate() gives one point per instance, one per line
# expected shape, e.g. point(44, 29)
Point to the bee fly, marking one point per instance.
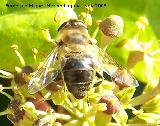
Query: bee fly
point(78, 61)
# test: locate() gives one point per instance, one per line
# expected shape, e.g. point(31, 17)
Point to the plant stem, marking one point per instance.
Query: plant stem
point(105, 40)
point(62, 116)
point(85, 107)
point(20, 57)
point(6, 74)
point(7, 95)
point(146, 97)
point(11, 87)
point(6, 112)
point(79, 104)
point(73, 110)
point(95, 33)
point(3, 76)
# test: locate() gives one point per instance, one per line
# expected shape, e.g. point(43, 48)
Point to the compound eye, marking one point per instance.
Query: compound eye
point(72, 24)
point(62, 26)
point(83, 25)
point(78, 24)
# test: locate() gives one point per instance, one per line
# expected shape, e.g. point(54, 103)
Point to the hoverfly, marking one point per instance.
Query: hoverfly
point(78, 61)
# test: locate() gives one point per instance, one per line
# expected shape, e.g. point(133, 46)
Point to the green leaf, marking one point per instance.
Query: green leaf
point(139, 71)
point(152, 10)
point(152, 105)
point(58, 97)
point(152, 77)
point(150, 118)
point(121, 117)
point(125, 95)
point(136, 120)
point(69, 2)
point(125, 9)
point(134, 57)
point(101, 118)
point(130, 15)
point(23, 27)
point(73, 123)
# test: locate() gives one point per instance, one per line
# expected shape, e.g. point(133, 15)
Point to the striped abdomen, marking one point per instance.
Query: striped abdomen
point(78, 75)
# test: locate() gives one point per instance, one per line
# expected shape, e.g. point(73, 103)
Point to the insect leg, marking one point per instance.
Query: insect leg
point(99, 79)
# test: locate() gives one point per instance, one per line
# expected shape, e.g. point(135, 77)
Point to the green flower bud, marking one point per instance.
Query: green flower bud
point(88, 20)
point(112, 26)
point(58, 16)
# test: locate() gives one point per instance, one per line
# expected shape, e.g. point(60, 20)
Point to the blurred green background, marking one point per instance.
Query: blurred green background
point(23, 25)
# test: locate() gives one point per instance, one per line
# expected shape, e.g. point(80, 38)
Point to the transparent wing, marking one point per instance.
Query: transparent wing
point(46, 73)
point(120, 75)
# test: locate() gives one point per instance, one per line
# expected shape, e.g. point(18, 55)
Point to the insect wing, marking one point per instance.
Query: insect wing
point(120, 75)
point(123, 78)
point(45, 74)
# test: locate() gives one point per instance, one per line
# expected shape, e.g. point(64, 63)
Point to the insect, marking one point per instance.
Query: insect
point(78, 61)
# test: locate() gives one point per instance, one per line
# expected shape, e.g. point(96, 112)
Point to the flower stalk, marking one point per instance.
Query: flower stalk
point(139, 100)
